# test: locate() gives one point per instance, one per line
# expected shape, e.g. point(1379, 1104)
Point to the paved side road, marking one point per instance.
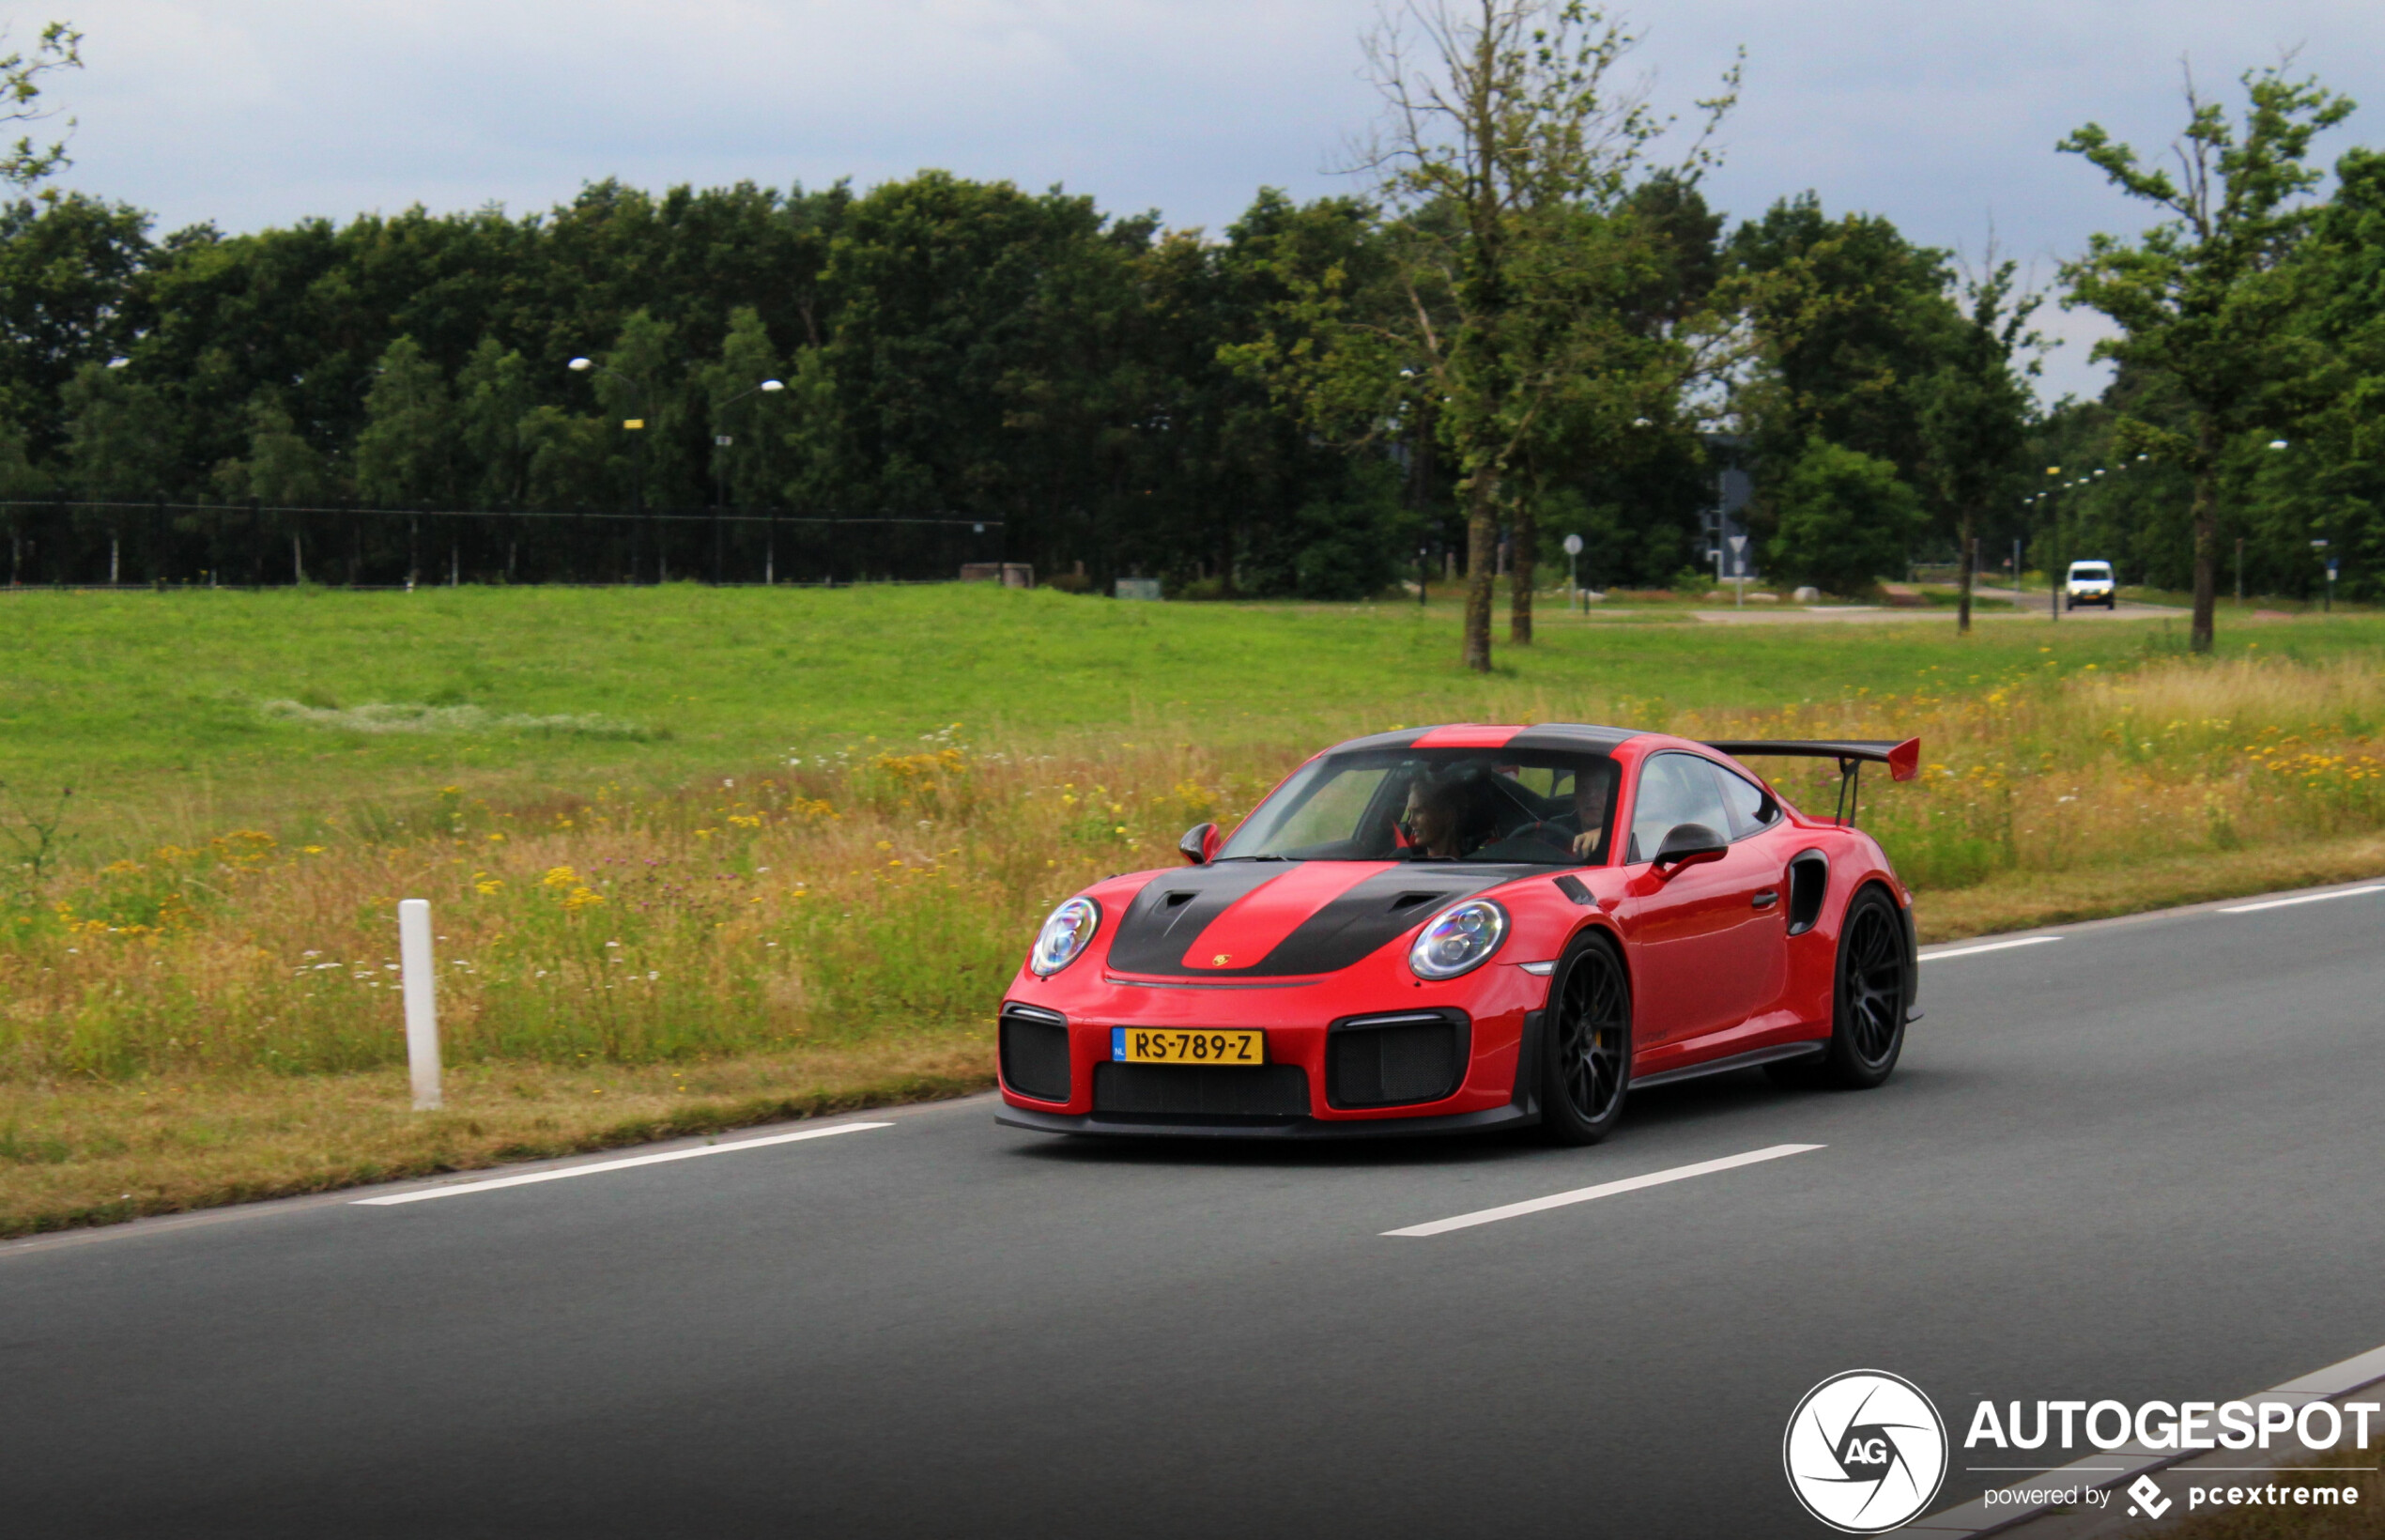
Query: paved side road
point(2137, 1162)
point(2028, 607)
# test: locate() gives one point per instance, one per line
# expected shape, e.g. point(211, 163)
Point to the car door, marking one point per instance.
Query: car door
point(1760, 854)
point(1704, 938)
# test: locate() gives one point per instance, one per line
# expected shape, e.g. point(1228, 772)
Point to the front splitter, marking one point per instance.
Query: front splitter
point(1265, 1128)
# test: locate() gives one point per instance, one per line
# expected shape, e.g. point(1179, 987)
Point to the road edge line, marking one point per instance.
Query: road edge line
point(590, 1168)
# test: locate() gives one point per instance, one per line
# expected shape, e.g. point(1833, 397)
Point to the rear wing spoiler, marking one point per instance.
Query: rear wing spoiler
point(1903, 759)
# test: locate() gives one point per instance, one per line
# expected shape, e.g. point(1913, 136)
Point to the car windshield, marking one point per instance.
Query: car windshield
point(2090, 569)
point(1437, 805)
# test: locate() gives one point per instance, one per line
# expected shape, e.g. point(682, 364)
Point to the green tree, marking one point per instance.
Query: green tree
point(283, 467)
point(567, 462)
point(975, 345)
point(1234, 320)
point(121, 433)
point(1509, 158)
point(2208, 296)
point(634, 385)
point(739, 409)
point(1974, 412)
point(59, 47)
point(1846, 519)
point(69, 273)
point(407, 451)
point(493, 394)
point(1850, 317)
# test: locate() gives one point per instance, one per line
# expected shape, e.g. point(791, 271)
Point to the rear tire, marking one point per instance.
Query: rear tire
point(1585, 1063)
point(1872, 994)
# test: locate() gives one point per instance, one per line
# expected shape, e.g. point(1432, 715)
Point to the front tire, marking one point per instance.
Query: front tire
point(1585, 1068)
point(1872, 995)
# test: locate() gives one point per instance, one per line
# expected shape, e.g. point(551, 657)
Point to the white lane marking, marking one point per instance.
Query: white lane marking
point(1991, 946)
point(492, 1184)
point(2307, 898)
point(1604, 1189)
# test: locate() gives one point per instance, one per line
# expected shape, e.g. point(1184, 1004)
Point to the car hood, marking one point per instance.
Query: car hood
point(1275, 919)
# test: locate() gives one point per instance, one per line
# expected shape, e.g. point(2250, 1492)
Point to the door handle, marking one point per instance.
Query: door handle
point(1766, 899)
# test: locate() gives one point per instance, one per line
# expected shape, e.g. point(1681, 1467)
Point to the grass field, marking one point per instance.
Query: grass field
point(699, 857)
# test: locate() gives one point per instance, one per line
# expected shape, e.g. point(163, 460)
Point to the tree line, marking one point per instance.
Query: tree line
point(1523, 322)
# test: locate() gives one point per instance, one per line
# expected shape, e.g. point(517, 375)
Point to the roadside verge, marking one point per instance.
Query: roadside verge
point(74, 1154)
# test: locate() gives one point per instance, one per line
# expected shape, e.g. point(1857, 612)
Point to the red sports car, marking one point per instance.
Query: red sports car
point(1472, 927)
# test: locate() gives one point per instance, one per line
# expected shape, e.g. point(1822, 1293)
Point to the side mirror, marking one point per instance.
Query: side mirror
point(1199, 844)
point(1688, 845)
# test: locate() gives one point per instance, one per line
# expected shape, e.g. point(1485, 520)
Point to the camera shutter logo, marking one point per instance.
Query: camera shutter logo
point(1865, 1452)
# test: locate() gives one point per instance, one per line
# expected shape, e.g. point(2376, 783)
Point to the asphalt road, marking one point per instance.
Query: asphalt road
point(2139, 1162)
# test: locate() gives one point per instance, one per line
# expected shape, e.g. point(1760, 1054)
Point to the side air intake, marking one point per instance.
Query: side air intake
point(1808, 882)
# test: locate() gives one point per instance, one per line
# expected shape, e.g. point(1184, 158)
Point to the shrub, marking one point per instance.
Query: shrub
point(1846, 519)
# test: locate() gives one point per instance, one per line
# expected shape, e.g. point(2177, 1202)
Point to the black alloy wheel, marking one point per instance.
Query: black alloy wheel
point(1874, 990)
point(1586, 1039)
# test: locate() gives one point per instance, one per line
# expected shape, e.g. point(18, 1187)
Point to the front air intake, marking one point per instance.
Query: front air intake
point(1389, 1061)
point(1035, 1053)
point(1200, 1091)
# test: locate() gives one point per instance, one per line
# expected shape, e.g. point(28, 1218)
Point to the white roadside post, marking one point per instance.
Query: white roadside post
point(1573, 578)
point(422, 1000)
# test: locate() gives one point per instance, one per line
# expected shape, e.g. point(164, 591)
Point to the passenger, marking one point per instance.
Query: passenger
point(1594, 785)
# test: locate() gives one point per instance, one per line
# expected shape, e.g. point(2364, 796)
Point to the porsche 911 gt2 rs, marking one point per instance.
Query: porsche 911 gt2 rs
point(1466, 928)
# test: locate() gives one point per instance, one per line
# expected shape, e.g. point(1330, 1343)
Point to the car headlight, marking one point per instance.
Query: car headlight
point(1064, 936)
point(1458, 940)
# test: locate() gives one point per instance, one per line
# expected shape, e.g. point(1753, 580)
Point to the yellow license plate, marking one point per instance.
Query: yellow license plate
point(1175, 1045)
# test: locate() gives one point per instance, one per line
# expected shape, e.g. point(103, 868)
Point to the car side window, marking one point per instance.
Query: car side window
point(1750, 809)
point(1674, 789)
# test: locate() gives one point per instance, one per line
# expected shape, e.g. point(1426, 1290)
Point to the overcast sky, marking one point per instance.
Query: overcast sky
point(1941, 115)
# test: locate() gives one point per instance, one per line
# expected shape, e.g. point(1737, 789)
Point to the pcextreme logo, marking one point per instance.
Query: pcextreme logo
point(1865, 1452)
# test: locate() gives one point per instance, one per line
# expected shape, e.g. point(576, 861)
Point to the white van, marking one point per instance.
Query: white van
point(2090, 582)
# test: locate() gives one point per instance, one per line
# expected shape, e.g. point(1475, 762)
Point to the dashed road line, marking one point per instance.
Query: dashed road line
point(1989, 946)
point(456, 1190)
point(1604, 1189)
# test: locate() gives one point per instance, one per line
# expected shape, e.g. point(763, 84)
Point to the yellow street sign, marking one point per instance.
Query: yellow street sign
point(633, 421)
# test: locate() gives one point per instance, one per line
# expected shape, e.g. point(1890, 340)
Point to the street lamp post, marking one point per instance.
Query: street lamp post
point(720, 442)
point(2054, 546)
point(636, 426)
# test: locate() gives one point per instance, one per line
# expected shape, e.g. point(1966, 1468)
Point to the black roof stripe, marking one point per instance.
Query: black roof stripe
point(1544, 736)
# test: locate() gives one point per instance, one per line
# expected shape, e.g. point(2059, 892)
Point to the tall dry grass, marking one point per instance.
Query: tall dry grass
point(879, 892)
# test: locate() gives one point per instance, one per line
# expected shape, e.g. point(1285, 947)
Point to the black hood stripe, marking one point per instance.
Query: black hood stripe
point(1172, 911)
